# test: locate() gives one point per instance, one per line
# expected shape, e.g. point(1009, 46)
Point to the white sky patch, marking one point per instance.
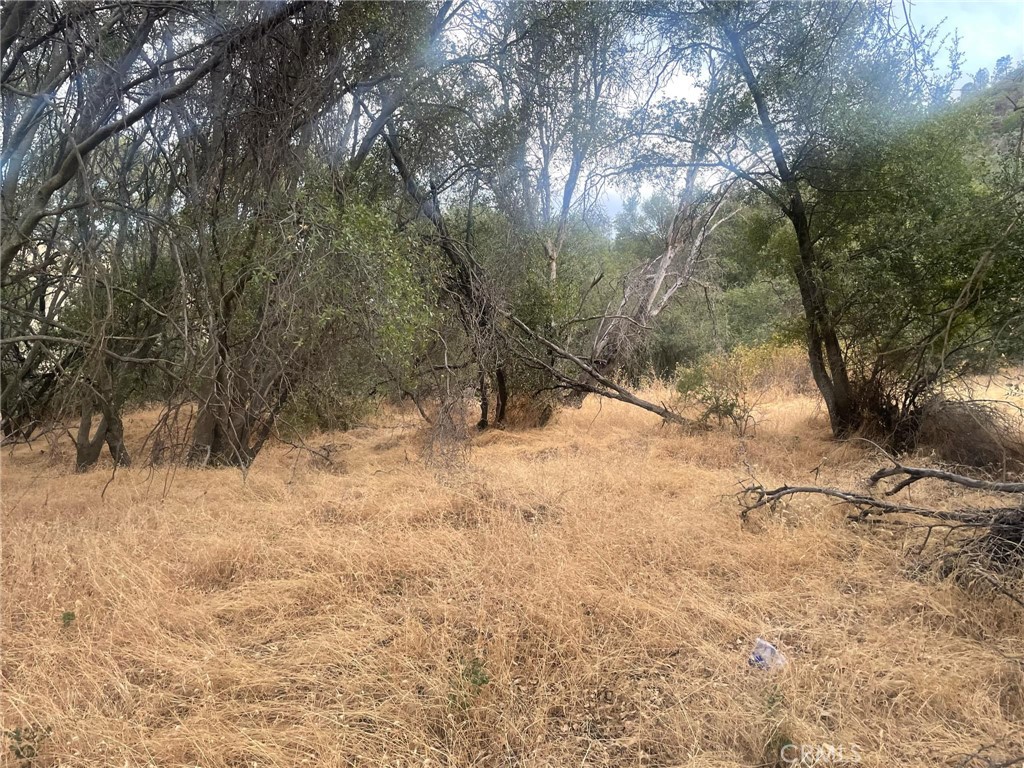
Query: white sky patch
point(988, 28)
point(680, 86)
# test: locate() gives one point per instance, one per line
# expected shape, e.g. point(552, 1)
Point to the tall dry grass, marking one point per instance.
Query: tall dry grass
point(582, 594)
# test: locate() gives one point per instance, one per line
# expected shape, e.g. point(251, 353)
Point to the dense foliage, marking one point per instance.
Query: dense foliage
point(263, 215)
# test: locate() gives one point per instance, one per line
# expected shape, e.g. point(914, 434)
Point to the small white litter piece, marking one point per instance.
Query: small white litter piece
point(766, 656)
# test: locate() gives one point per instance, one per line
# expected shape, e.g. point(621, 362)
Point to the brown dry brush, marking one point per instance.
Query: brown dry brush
point(978, 759)
point(975, 544)
point(971, 432)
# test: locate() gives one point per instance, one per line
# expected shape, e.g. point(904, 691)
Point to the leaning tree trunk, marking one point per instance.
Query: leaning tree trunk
point(465, 280)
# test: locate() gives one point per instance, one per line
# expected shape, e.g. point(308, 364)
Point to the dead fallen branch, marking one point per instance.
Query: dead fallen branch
point(756, 495)
point(979, 540)
point(913, 474)
point(593, 381)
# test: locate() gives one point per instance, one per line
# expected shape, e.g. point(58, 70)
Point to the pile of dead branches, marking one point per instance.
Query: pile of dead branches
point(983, 542)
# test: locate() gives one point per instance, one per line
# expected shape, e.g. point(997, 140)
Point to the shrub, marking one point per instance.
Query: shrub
point(728, 386)
point(718, 384)
point(973, 434)
point(779, 370)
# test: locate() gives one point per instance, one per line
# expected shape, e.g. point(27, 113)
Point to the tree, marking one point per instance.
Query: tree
point(250, 210)
point(46, 46)
point(83, 87)
point(928, 277)
point(804, 84)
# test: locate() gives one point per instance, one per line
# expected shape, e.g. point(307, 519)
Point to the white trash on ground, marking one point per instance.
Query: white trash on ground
point(766, 656)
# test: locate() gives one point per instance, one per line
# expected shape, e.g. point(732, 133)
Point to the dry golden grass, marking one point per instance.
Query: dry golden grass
point(582, 594)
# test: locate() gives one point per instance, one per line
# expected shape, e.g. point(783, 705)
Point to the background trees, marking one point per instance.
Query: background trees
point(261, 212)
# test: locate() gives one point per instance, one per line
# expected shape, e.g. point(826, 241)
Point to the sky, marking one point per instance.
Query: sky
point(988, 28)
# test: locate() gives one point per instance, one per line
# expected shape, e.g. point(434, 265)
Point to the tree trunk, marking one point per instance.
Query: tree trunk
point(221, 437)
point(87, 445)
point(824, 351)
point(464, 278)
point(501, 397)
point(215, 435)
point(236, 411)
point(484, 404)
point(823, 348)
point(109, 431)
point(115, 440)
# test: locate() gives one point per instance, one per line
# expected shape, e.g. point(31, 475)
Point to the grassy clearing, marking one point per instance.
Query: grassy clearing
point(582, 594)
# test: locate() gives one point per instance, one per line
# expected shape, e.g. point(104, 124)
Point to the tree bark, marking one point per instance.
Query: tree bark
point(824, 351)
point(87, 445)
point(500, 397)
point(484, 404)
